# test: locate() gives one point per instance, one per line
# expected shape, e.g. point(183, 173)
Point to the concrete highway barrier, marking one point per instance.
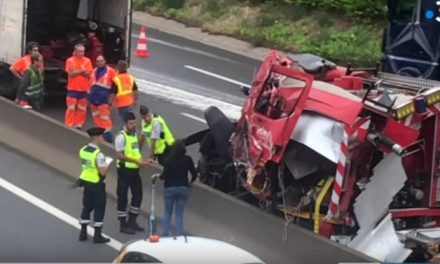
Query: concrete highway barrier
point(209, 213)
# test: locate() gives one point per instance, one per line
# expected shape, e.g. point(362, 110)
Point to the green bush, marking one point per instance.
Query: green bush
point(290, 25)
point(268, 19)
point(168, 4)
point(158, 4)
point(324, 19)
point(350, 46)
point(213, 7)
point(371, 9)
point(142, 4)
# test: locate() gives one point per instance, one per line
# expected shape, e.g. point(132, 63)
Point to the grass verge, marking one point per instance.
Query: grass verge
point(290, 28)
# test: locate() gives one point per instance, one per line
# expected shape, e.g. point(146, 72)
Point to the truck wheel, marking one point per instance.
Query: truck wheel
point(8, 84)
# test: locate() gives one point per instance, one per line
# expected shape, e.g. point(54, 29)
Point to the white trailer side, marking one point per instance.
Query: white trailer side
point(12, 21)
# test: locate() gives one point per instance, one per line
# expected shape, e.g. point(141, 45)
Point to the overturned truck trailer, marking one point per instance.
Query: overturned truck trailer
point(357, 165)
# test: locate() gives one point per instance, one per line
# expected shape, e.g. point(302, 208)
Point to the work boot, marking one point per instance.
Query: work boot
point(83, 233)
point(137, 227)
point(98, 238)
point(125, 228)
point(132, 223)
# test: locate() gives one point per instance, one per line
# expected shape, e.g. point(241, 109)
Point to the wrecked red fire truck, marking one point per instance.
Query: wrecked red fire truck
point(355, 158)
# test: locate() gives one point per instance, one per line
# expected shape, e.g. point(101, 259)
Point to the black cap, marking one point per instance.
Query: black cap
point(143, 110)
point(129, 116)
point(95, 131)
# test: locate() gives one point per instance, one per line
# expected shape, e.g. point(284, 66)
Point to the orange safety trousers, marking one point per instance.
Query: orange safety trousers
point(101, 116)
point(76, 112)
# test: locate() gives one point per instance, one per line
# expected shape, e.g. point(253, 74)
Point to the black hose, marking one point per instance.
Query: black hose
point(377, 138)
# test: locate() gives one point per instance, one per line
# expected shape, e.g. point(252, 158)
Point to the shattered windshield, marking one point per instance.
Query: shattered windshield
point(279, 96)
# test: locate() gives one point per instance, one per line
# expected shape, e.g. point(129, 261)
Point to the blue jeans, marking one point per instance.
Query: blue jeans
point(121, 112)
point(174, 196)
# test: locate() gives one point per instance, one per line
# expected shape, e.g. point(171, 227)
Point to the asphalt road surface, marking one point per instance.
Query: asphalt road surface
point(190, 62)
point(39, 216)
point(181, 78)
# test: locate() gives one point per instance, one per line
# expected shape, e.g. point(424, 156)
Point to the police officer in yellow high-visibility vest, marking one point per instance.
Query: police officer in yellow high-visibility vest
point(157, 134)
point(94, 169)
point(128, 164)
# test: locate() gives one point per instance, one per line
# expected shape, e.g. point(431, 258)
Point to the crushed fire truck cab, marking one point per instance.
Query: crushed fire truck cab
point(359, 165)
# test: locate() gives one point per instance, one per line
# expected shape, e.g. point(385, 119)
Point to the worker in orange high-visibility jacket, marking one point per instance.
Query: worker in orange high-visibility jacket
point(124, 92)
point(78, 68)
point(101, 81)
point(20, 66)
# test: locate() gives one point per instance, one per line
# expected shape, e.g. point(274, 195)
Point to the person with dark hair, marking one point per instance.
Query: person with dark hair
point(157, 134)
point(129, 160)
point(99, 95)
point(124, 91)
point(176, 168)
point(20, 66)
point(94, 169)
point(31, 89)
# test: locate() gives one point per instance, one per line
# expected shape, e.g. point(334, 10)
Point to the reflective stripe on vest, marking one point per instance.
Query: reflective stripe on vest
point(90, 172)
point(166, 137)
point(36, 87)
point(104, 81)
point(124, 82)
point(124, 95)
point(131, 150)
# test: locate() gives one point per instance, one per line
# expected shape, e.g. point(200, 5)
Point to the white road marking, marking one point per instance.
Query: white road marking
point(188, 49)
point(194, 117)
point(185, 98)
point(52, 210)
point(215, 75)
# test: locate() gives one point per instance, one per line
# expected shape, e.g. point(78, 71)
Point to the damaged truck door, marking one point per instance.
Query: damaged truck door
point(269, 120)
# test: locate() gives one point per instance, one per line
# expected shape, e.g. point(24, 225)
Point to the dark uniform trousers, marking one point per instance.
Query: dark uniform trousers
point(94, 199)
point(129, 179)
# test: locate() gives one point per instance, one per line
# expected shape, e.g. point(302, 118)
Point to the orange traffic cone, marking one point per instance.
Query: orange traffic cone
point(142, 48)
